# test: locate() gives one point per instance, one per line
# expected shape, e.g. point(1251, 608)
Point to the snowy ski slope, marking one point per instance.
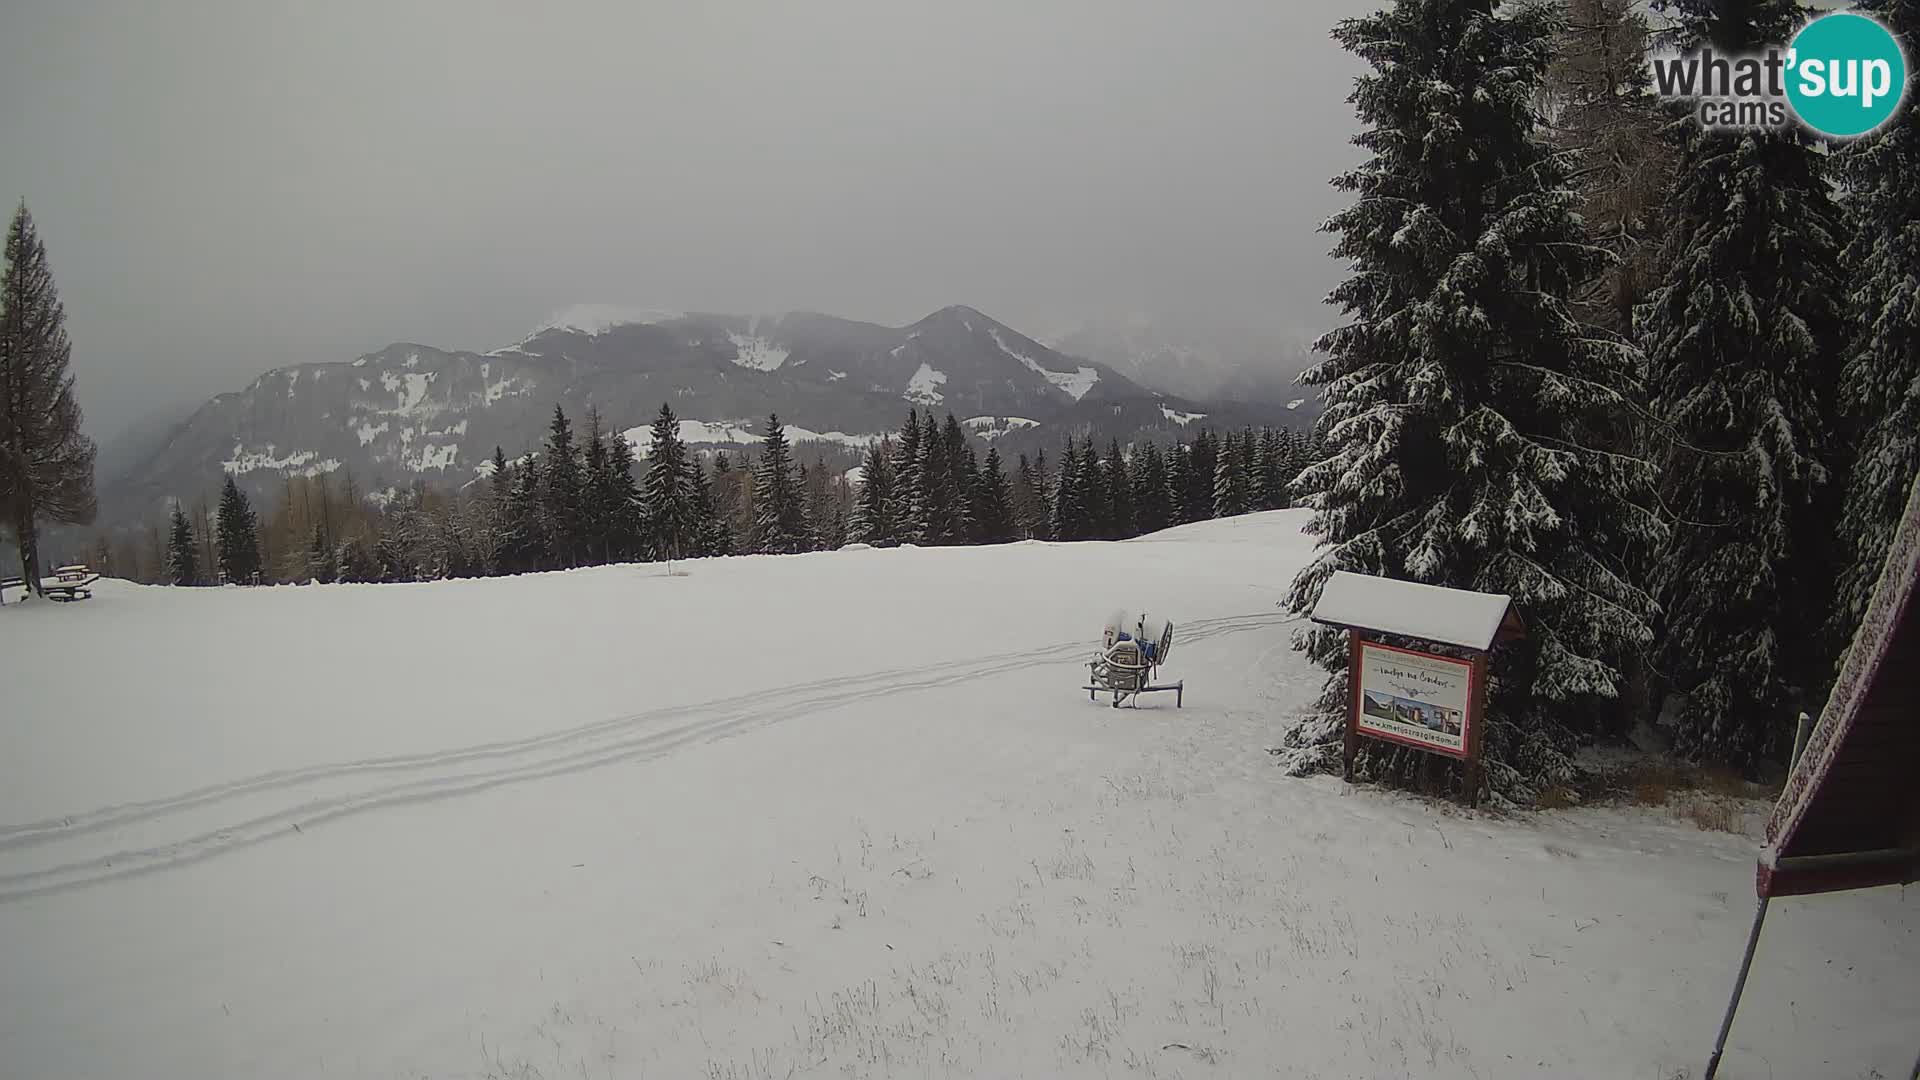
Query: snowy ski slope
point(841, 814)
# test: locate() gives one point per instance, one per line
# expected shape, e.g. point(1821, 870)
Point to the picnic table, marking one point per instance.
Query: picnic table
point(70, 583)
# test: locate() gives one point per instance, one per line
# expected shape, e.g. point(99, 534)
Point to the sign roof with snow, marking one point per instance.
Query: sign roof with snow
point(1850, 815)
point(1470, 620)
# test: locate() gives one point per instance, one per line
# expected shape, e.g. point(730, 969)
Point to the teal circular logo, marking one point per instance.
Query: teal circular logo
point(1846, 74)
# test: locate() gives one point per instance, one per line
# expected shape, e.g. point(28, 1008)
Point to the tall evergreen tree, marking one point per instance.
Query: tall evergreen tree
point(1743, 338)
point(560, 491)
point(908, 494)
point(522, 546)
point(1458, 392)
point(321, 564)
point(1230, 488)
point(1120, 509)
point(937, 510)
point(668, 497)
point(780, 525)
point(963, 466)
point(734, 498)
point(873, 506)
point(830, 528)
point(1026, 499)
point(182, 554)
point(1602, 112)
point(1270, 481)
point(239, 536)
point(1096, 492)
point(1043, 496)
point(1205, 462)
point(599, 508)
point(993, 521)
point(818, 506)
point(46, 462)
point(1881, 380)
point(1180, 485)
point(703, 537)
point(1152, 504)
point(1291, 459)
point(499, 478)
point(623, 500)
point(1070, 497)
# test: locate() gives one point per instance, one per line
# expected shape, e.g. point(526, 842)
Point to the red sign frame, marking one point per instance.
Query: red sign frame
point(1472, 727)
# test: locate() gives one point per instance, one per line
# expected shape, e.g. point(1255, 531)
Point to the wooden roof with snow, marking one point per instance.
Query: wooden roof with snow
point(1850, 815)
point(1470, 620)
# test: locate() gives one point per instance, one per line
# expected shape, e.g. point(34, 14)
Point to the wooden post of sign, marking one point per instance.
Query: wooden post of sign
point(1475, 736)
point(1352, 748)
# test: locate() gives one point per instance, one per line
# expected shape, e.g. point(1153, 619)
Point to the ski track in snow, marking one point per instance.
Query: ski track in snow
point(539, 757)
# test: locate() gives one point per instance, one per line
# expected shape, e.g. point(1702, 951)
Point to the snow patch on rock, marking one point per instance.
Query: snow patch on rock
point(1181, 418)
point(992, 427)
point(294, 462)
point(756, 353)
point(1074, 384)
point(922, 388)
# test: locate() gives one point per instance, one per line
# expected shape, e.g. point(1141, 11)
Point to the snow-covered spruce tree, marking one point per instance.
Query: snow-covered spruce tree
point(993, 520)
point(907, 496)
point(780, 525)
point(560, 491)
point(1152, 508)
point(46, 462)
point(239, 536)
point(1457, 392)
point(730, 496)
point(182, 557)
point(1880, 383)
point(1743, 336)
point(1069, 519)
point(1230, 475)
point(667, 496)
point(1180, 484)
point(873, 505)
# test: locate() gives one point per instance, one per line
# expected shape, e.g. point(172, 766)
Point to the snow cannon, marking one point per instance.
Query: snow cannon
point(1131, 652)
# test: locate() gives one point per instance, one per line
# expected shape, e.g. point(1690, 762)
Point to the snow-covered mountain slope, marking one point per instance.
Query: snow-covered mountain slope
point(413, 412)
point(844, 814)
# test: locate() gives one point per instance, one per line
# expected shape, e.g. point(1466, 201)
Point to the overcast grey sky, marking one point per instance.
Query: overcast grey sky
point(226, 187)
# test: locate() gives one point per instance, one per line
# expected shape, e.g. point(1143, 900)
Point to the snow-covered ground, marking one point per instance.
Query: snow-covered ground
point(841, 814)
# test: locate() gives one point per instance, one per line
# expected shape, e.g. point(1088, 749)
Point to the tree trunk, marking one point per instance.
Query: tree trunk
point(29, 537)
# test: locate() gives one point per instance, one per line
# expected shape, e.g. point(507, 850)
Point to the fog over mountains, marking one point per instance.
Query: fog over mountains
point(412, 412)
